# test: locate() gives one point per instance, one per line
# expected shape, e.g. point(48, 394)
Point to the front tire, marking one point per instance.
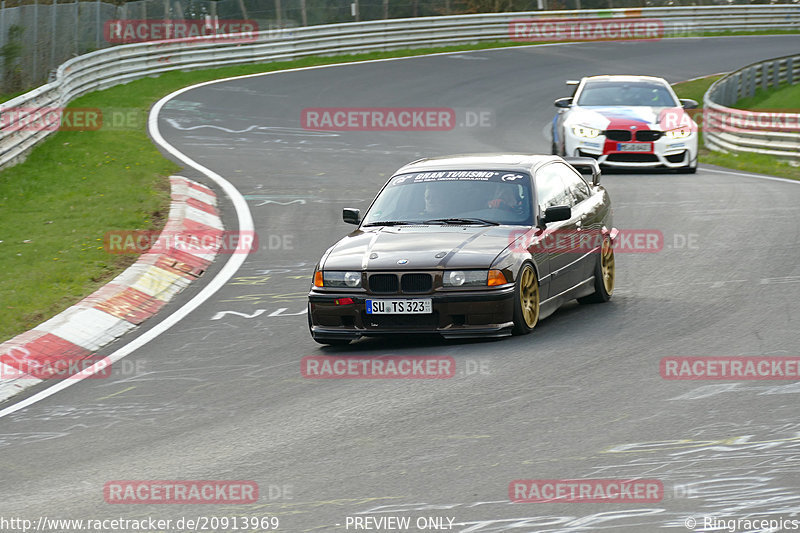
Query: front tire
point(604, 275)
point(526, 300)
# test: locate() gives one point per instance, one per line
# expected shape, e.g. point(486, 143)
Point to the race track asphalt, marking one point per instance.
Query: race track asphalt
point(220, 395)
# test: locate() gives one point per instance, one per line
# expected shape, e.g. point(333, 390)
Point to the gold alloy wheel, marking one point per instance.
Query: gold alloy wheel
point(529, 296)
point(607, 266)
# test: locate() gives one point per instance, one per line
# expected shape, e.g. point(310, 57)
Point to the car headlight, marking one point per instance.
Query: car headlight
point(334, 278)
point(465, 278)
point(473, 278)
point(680, 133)
point(585, 131)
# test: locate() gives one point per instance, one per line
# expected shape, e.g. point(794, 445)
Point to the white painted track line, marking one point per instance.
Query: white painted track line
point(245, 220)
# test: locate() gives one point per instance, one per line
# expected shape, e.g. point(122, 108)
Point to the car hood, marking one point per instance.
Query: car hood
point(628, 118)
point(456, 247)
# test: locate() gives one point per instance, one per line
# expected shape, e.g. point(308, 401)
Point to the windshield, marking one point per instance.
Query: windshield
point(617, 93)
point(455, 197)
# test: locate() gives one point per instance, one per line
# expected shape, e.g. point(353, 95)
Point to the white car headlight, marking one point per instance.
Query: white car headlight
point(586, 132)
point(341, 279)
point(680, 133)
point(460, 278)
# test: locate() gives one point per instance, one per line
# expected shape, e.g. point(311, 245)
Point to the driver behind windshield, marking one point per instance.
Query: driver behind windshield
point(506, 199)
point(436, 201)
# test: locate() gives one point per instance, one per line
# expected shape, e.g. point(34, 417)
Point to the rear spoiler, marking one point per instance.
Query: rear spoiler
point(586, 166)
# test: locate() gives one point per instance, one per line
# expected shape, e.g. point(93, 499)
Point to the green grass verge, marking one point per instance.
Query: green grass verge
point(78, 185)
point(56, 207)
point(695, 89)
point(786, 97)
point(758, 163)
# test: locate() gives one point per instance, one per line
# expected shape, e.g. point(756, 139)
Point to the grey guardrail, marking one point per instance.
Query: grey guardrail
point(25, 120)
point(770, 132)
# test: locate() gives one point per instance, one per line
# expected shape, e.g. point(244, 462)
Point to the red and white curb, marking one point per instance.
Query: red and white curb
point(120, 306)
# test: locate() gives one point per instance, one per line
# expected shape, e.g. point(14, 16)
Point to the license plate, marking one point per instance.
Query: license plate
point(399, 307)
point(633, 147)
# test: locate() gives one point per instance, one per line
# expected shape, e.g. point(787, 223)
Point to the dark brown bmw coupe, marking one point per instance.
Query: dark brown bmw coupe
point(467, 246)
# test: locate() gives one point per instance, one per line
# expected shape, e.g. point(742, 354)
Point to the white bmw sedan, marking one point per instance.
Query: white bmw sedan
point(626, 122)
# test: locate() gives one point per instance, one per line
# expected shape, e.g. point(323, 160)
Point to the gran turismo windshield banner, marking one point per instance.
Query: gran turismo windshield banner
point(460, 175)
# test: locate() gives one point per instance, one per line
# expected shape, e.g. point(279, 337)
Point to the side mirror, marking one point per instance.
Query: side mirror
point(688, 103)
point(556, 213)
point(351, 215)
point(563, 102)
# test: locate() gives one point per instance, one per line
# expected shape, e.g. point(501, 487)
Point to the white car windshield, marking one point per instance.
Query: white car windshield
point(627, 93)
point(454, 197)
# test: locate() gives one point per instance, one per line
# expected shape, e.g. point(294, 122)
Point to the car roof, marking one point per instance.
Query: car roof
point(498, 161)
point(624, 77)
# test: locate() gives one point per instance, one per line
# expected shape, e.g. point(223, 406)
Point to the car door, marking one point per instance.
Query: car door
point(553, 190)
point(588, 215)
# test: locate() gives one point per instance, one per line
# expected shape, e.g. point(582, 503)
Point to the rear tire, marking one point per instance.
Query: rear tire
point(604, 275)
point(526, 300)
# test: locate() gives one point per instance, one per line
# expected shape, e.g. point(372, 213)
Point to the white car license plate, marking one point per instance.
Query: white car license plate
point(399, 307)
point(633, 147)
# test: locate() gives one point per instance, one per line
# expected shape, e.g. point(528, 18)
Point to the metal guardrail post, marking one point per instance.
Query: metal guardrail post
point(765, 132)
point(775, 78)
point(776, 74)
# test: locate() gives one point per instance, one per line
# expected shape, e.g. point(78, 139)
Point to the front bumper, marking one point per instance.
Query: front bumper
point(665, 153)
point(456, 314)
